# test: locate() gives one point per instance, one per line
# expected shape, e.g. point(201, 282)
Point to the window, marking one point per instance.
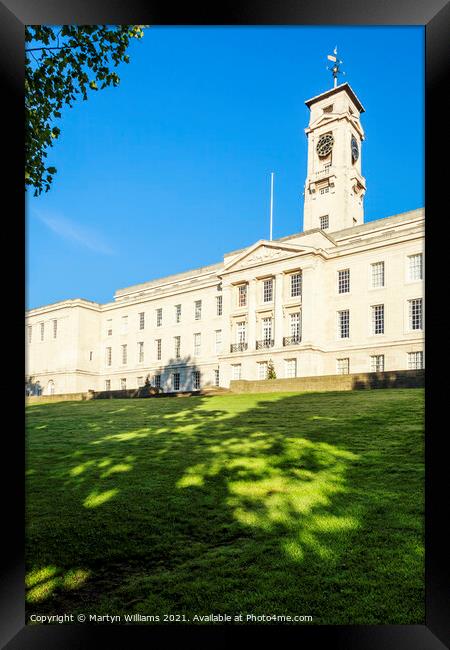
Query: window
point(324, 222)
point(268, 290)
point(196, 379)
point(178, 313)
point(123, 384)
point(141, 320)
point(241, 331)
point(378, 319)
point(140, 354)
point(218, 341)
point(324, 190)
point(42, 331)
point(415, 267)
point(219, 305)
point(242, 295)
point(55, 328)
point(415, 360)
point(344, 281)
point(294, 324)
point(290, 366)
point(124, 326)
point(415, 314)
point(216, 377)
point(328, 109)
point(30, 333)
point(262, 369)
point(176, 381)
point(159, 317)
point(377, 275)
point(109, 327)
point(344, 324)
point(157, 381)
point(236, 371)
point(198, 310)
point(296, 285)
point(107, 384)
point(158, 349)
point(91, 356)
point(267, 329)
point(197, 343)
point(177, 346)
point(108, 357)
point(140, 381)
point(343, 366)
point(124, 354)
point(377, 363)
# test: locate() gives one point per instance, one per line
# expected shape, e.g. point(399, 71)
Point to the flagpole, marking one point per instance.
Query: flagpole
point(271, 204)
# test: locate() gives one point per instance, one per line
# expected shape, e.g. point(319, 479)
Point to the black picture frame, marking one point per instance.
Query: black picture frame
point(434, 15)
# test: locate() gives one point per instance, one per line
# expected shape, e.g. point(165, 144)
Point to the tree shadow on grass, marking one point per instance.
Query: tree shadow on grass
point(268, 504)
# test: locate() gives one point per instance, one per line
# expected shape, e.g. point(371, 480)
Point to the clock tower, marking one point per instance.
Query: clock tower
point(334, 188)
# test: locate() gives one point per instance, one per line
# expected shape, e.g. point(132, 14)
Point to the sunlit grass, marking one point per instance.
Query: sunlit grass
point(273, 503)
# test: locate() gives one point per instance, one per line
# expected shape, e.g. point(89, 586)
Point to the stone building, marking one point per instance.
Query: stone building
point(342, 296)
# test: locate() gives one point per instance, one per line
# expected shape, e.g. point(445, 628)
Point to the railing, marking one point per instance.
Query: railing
point(265, 343)
point(292, 340)
point(238, 347)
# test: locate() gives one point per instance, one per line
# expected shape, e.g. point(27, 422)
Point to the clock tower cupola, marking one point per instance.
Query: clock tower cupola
point(335, 187)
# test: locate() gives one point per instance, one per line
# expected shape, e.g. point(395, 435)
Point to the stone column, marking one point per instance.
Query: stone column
point(251, 322)
point(278, 311)
point(310, 305)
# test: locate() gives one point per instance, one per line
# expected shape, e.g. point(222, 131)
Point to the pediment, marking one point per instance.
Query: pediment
point(265, 252)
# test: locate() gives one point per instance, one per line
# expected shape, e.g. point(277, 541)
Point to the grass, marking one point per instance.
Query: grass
point(300, 504)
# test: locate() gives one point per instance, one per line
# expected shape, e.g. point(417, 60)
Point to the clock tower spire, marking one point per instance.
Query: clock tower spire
point(335, 187)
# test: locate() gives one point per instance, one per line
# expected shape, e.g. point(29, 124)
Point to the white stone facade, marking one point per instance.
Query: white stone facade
point(342, 298)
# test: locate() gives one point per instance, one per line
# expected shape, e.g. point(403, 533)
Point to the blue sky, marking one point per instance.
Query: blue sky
point(171, 169)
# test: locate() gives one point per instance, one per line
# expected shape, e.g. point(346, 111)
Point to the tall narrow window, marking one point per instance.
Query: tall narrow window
point(178, 313)
point(177, 346)
point(241, 331)
point(124, 354)
point(262, 369)
point(296, 285)
point(55, 327)
point(377, 319)
point(140, 354)
point(377, 363)
point(267, 329)
point(415, 360)
point(344, 281)
point(30, 333)
point(140, 381)
point(176, 381)
point(124, 328)
point(415, 267)
point(218, 341)
point(197, 344)
point(268, 290)
point(42, 331)
point(109, 327)
point(107, 384)
point(294, 325)
point(157, 381)
point(142, 320)
point(123, 383)
point(216, 377)
point(198, 310)
point(196, 379)
point(108, 356)
point(343, 366)
point(377, 275)
point(242, 295)
point(324, 222)
point(415, 314)
point(159, 317)
point(344, 324)
point(236, 371)
point(219, 305)
point(158, 349)
point(290, 368)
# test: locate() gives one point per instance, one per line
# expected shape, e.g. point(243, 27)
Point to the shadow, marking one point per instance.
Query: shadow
point(396, 379)
point(268, 503)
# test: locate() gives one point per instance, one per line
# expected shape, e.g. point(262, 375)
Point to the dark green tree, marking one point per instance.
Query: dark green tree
point(62, 63)
point(271, 374)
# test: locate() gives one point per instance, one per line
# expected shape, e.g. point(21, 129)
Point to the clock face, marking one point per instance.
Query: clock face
point(355, 149)
point(325, 145)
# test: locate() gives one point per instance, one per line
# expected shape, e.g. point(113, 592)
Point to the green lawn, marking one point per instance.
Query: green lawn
point(300, 504)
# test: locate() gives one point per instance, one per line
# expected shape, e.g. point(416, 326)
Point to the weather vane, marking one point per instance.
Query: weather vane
point(335, 67)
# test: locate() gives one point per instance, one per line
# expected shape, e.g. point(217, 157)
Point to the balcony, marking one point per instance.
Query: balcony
point(292, 340)
point(265, 343)
point(238, 347)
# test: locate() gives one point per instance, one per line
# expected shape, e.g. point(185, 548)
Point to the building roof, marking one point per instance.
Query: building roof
point(333, 91)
